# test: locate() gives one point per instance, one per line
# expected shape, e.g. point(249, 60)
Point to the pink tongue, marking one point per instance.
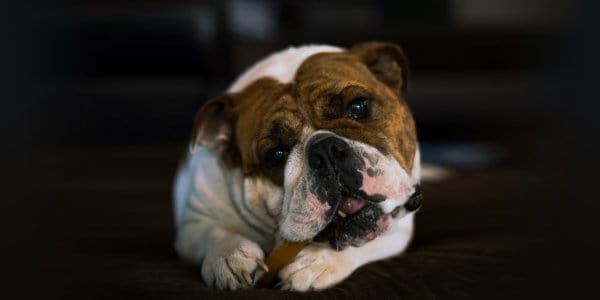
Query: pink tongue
point(351, 205)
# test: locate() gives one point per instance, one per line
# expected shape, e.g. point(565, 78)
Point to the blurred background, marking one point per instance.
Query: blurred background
point(137, 71)
point(96, 89)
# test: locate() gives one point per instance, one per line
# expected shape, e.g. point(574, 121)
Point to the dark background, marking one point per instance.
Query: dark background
point(495, 85)
point(138, 71)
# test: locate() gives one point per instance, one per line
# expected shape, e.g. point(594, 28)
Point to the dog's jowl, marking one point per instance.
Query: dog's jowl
point(314, 143)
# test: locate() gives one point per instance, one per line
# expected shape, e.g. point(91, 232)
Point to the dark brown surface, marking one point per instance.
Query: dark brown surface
point(109, 234)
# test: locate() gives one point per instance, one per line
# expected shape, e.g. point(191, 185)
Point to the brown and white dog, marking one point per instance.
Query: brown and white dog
point(311, 143)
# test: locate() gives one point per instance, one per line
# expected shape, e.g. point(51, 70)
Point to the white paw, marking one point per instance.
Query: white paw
point(238, 263)
point(315, 268)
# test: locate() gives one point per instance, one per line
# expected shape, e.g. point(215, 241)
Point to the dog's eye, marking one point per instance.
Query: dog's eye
point(358, 108)
point(277, 155)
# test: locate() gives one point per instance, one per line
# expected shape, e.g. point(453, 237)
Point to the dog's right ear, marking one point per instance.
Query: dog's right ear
point(386, 61)
point(212, 125)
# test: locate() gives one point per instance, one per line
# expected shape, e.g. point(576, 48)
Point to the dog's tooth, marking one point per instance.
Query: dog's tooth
point(341, 214)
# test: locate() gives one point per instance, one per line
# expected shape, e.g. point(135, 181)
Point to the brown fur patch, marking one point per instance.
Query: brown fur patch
point(329, 81)
point(268, 114)
point(265, 116)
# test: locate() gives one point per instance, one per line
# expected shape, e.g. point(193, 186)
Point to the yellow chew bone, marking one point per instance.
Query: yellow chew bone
point(279, 258)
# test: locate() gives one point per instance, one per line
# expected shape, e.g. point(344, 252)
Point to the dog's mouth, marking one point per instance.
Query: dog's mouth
point(357, 220)
point(349, 206)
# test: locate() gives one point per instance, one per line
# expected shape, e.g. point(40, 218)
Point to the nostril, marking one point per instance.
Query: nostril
point(338, 151)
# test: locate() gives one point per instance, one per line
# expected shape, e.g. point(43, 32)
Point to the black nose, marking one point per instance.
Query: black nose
point(326, 151)
point(414, 202)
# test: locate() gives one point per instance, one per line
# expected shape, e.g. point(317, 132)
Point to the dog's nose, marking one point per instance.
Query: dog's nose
point(326, 150)
point(414, 202)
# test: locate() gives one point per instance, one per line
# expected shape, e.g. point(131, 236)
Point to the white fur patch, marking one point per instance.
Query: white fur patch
point(299, 204)
point(281, 65)
point(391, 180)
point(416, 170)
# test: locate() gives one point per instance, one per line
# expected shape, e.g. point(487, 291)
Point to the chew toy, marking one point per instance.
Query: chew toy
point(279, 258)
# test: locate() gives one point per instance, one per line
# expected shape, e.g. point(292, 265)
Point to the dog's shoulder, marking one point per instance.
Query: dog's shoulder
point(203, 179)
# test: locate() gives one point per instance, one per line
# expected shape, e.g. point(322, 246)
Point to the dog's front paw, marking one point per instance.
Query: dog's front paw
point(315, 268)
point(237, 263)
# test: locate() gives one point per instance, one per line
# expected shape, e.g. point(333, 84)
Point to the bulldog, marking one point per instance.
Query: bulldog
point(314, 143)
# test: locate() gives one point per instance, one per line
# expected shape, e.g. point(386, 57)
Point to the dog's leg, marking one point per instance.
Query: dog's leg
point(229, 260)
point(318, 266)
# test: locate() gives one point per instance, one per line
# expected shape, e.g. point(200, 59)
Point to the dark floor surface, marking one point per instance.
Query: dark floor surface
point(107, 233)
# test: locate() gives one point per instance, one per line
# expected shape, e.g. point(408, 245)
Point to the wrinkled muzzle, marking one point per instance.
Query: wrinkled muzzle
point(335, 189)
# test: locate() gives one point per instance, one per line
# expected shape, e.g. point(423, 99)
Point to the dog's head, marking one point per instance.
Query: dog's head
point(333, 138)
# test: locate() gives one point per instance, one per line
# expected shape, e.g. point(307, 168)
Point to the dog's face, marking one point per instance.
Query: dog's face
point(337, 145)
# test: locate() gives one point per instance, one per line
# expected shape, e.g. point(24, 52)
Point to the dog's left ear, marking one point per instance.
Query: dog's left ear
point(386, 61)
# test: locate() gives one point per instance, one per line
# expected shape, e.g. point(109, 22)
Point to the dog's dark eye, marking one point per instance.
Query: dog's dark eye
point(359, 108)
point(277, 155)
